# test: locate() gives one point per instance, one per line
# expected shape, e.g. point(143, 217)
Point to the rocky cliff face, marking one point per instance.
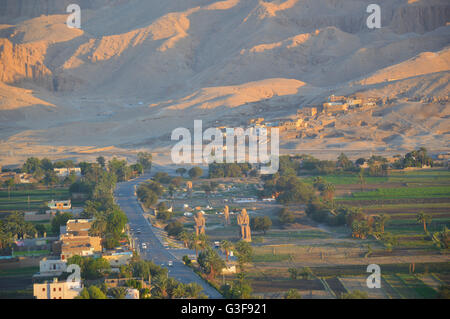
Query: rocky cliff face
point(24, 62)
point(348, 16)
point(420, 18)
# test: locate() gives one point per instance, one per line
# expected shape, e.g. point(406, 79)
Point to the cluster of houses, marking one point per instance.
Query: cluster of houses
point(333, 106)
point(341, 104)
point(18, 178)
point(253, 200)
point(25, 178)
point(285, 124)
point(74, 240)
point(66, 171)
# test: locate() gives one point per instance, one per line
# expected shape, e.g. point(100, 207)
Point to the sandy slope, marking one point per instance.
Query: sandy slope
point(424, 63)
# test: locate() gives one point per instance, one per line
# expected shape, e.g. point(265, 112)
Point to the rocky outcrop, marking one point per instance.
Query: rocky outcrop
point(19, 62)
point(420, 18)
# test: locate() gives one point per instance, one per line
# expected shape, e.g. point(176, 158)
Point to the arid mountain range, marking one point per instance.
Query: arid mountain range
point(137, 69)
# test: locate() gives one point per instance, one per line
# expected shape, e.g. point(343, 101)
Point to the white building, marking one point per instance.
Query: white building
point(132, 294)
point(57, 290)
point(245, 200)
point(66, 171)
point(51, 267)
point(60, 204)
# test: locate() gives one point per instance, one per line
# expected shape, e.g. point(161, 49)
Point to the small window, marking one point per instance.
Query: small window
point(59, 289)
point(43, 289)
point(54, 289)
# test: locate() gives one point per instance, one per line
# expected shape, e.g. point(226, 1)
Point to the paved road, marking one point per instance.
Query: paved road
point(155, 251)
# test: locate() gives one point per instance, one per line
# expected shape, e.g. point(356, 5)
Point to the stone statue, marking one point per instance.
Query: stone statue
point(226, 215)
point(243, 220)
point(200, 223)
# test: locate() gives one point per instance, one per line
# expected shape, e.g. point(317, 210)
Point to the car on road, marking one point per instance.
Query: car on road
point(170, 263)
point(144, 246)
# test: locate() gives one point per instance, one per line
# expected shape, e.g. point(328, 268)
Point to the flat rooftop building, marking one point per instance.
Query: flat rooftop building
point(57, 290)
point(79, 227)
point(79, 245)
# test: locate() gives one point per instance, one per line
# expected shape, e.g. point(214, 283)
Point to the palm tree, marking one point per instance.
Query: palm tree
point(179, 291)
point(203, 241)
point(362, 180)
point(171, 190)
point(441, 239)
point(226, 246)
point(382, 219)
point(211, 262)
point(9, 184)
point(118, 292)
point(423, 218)
point(173, 290)
point(161, 285)
point(193, 290)
point(194, 243)
point(318, 182)
point(181, 171)
point(5, 239)
point(184, 237)
point(328, 191)
point(293, 294)
point(99, 225)
point(293, 273)
point(30, 230)
point(306, 273)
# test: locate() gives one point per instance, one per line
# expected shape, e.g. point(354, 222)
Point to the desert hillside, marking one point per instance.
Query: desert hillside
point(137, 69)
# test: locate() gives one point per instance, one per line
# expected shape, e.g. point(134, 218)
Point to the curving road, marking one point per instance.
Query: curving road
point(156, 252)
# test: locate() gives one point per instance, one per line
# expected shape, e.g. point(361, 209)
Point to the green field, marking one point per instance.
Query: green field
point(30, 199)
point(25, 271)
point(310, 234)
point(415, 177)
point(444, 206)
point(409, 286)
point(347, 179)
point(419, 288)
point(31, 253)
point(17, 294)
point(270, 257)
point(402, 193)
